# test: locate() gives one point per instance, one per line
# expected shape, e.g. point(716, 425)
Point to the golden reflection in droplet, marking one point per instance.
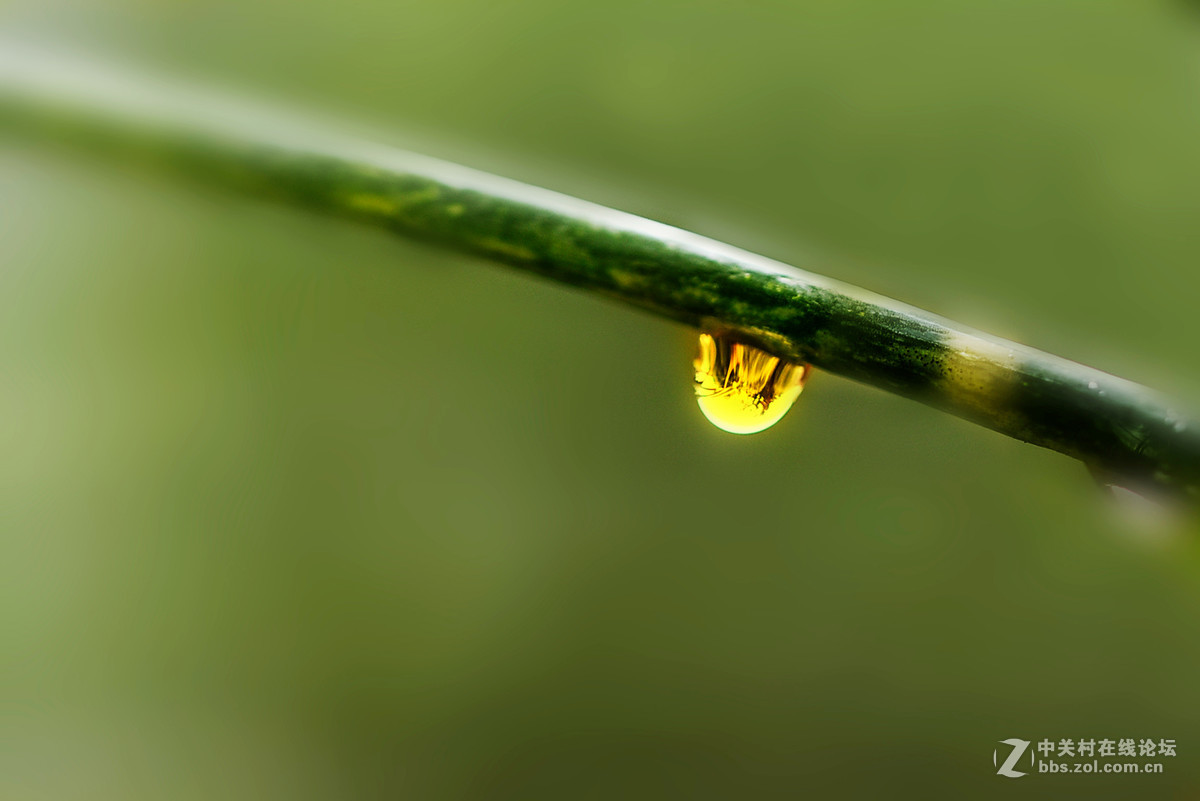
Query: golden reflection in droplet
point(744, 390)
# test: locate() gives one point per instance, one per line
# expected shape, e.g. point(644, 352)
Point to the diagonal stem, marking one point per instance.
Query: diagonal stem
point(1121, 430)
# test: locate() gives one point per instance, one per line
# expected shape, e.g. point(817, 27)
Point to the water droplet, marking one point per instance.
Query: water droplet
point(1141, 509)
point(742, 389)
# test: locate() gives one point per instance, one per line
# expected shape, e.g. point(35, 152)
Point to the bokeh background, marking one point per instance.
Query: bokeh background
point(290, 508)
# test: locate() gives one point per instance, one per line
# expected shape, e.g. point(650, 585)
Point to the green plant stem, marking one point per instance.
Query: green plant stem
point(1119, 429)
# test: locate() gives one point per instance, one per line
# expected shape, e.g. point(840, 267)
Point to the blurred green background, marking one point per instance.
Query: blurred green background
point(290, 508)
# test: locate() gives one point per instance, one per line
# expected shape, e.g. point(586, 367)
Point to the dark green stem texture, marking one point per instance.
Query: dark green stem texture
point(1122, 431)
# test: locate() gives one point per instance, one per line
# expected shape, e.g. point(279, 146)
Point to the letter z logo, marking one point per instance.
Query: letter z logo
point(1018, 750)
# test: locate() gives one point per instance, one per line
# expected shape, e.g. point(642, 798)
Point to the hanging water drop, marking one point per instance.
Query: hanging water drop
point(1143, 511)
point(742, 389)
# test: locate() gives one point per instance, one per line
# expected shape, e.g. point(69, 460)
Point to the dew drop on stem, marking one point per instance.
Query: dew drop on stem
point(743, 389)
